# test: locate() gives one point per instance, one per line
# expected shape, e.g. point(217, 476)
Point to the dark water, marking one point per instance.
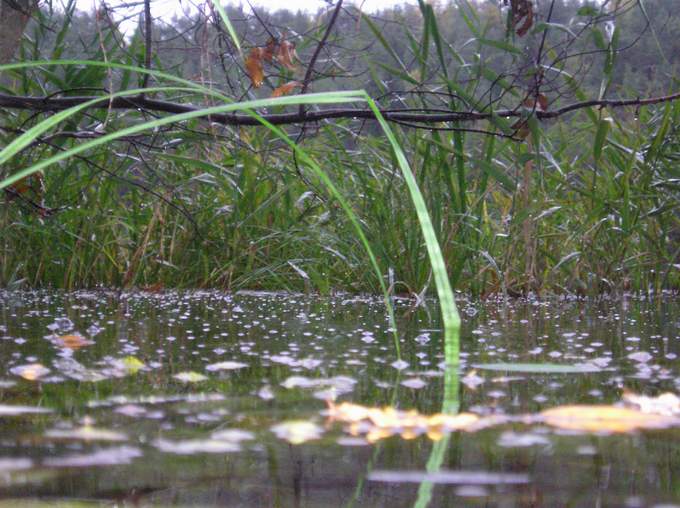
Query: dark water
point(122, 429)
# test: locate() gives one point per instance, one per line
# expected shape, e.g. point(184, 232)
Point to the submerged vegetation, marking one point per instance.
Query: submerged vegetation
point(583, 202)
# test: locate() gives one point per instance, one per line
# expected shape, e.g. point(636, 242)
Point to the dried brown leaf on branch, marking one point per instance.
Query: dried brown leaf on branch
point(283, 52)
point(286, 54)
point(34, 184)
point(286, 89)
point(270, 50)
point(540, 102)
point(521, 129)
point(255, 67)
point(522, 12)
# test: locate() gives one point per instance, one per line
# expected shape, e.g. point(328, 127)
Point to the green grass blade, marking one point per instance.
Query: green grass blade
point(227, 23)
point(447, 303)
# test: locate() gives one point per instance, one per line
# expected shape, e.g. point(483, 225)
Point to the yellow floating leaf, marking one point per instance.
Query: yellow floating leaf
point(602, 418)
point(285, 89)
point(297, 431)
point(452, 422)
point(133, 364)
point(410, 433)
point(434, 434)
point(347, 412)
point(378, 433)
point(190, 377)
point(31, 371)
point(255, 67)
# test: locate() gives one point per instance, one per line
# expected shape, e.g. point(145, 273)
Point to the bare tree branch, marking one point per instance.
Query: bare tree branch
point(425, 117)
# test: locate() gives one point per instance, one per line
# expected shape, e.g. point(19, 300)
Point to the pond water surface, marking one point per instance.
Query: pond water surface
point(212, 399)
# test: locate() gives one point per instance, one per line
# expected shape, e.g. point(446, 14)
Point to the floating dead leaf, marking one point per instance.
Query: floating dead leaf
point(665, 404)
point(227, 365)
point(297, 431)
point(31, 371)
point(380, 423)
point(190, 377)
point(602, 418)
point(285, 89)
point(73, 341)
point(255, 67)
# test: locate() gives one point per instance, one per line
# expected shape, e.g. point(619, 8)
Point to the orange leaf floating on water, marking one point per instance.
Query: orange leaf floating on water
point(73, 341)
point(255, 67)
point(285, 89)
point(380, 423)
point(601, 418)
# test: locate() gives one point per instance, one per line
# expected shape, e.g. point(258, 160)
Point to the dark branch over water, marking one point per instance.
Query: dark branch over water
point(413, 118)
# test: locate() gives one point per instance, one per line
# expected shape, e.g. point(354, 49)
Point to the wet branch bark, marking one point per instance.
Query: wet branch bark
point(415, 118)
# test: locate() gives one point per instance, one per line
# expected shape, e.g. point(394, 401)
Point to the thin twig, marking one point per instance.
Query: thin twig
point(310, 67)
point(147, 42)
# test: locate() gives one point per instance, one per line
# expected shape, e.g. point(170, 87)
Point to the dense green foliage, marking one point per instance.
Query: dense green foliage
point(586, 204)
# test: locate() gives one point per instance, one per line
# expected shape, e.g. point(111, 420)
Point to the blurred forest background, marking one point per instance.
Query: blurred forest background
point(583, 203)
